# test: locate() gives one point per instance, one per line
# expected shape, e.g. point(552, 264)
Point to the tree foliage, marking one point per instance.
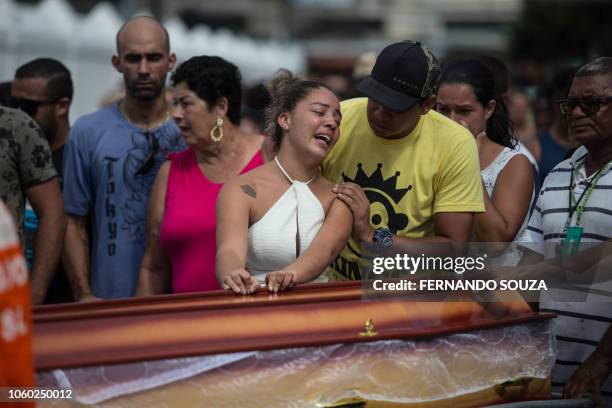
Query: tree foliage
point(562, 30)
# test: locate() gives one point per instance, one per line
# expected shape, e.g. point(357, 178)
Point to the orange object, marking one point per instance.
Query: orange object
point(16, 366)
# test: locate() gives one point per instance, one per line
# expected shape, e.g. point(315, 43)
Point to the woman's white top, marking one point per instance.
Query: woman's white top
point(489, 176)
point(273, 240)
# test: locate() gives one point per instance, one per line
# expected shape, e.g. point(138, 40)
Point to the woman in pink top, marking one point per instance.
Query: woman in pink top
point(180, 254)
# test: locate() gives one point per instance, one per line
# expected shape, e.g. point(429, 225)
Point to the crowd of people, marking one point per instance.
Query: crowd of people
point(154, 195)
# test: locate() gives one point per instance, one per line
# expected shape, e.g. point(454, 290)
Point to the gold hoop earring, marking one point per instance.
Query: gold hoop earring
point(216, 133)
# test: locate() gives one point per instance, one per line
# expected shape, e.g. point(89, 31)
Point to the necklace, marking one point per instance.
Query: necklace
point(282, 169)
point(123, 112)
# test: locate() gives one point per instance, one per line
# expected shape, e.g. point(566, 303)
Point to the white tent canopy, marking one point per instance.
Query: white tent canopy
point(85, 43)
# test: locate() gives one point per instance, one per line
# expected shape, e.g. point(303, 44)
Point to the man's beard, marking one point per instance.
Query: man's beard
point(146, 95)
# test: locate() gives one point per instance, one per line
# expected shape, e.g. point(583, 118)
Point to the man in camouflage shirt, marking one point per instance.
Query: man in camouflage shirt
point(26, 170)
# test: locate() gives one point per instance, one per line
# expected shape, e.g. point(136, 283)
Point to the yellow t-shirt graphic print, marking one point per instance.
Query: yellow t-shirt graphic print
point(384, 196)
point(433, 169)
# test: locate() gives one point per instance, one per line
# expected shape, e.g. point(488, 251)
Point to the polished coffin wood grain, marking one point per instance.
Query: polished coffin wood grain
point(169, 326)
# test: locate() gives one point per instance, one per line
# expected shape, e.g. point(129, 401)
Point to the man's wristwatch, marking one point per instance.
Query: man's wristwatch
point(383, 238)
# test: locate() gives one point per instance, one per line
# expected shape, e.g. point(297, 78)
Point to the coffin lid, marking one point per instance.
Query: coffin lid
point(172, 326)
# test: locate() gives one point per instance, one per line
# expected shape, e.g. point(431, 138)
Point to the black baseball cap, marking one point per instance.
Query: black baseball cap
point(404, 74)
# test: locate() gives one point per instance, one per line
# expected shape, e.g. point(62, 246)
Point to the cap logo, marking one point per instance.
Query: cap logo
point(405, 83)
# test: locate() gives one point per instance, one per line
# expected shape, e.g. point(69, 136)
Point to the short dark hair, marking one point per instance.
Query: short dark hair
point(59, 80)
point(475, 74)
point(600, 66)
point(213, 78)
point(153, 19)
point(286, 91)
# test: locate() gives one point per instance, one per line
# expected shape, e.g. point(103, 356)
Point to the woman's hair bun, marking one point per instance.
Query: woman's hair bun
point(281, 82)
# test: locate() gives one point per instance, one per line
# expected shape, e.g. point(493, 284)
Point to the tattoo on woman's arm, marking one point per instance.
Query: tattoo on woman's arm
point(249, 190)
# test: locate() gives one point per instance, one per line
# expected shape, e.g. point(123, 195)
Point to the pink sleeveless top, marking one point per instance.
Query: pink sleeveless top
point(187, 232)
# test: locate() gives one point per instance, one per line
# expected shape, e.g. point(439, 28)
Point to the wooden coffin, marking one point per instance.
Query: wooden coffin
point(311, 317)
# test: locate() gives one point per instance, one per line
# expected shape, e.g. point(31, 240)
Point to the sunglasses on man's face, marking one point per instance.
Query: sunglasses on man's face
point(29, 106)
point(589, 106)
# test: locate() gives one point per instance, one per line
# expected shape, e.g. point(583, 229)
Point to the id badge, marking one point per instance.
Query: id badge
point(572, 241)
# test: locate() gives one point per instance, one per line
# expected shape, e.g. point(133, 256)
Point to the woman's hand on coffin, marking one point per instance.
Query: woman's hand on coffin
point(281, 280)
point(240, 281)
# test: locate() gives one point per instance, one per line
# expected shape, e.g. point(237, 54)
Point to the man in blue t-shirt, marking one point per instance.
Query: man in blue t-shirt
point(110, 162)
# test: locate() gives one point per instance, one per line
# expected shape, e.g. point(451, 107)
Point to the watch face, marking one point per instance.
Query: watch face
point(383, 237)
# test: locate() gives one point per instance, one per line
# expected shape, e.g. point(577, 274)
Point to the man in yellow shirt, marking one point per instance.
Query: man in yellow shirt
point(410, 176)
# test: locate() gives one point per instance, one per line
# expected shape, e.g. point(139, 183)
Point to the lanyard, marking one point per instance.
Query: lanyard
point(578, 208)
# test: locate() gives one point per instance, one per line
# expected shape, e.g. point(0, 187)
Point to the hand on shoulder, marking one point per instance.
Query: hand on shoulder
point(359, 204)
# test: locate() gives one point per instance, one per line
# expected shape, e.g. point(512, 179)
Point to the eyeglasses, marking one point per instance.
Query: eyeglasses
point(590, 106)
point(149, 163)
point(29, 106)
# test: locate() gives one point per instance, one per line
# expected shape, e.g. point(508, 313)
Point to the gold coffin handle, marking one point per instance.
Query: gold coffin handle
point(369, 329)
point(513, 389)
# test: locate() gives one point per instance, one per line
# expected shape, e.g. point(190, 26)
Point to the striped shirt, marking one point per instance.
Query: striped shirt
point(585, 311)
